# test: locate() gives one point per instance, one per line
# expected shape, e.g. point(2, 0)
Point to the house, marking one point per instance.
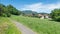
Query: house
point(43, 15)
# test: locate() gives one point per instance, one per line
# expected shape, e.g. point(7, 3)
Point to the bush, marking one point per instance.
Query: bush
point(8, 14)
point(4, 15)
point(58, 18)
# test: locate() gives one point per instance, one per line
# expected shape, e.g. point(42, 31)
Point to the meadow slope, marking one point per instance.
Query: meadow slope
point(42, 26)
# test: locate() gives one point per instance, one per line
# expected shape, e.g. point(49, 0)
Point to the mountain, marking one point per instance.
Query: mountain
point(29, 12)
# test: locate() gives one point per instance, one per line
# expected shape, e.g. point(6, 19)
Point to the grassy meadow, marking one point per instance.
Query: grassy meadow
point(41, 26)
point(7, 27)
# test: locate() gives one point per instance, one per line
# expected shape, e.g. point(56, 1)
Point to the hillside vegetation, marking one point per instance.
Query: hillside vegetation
point(42, 26)
point(7, 27)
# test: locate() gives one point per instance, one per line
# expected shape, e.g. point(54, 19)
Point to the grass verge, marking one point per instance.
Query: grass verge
point(7, 27)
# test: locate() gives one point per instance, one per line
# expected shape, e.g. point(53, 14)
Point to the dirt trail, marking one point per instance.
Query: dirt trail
point(23, 28)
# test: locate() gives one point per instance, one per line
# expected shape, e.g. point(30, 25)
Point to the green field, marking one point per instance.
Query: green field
point(41, 26)
point(7, 27)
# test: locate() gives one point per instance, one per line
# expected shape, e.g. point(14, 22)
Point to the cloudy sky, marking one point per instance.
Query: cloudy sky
point(34, 5)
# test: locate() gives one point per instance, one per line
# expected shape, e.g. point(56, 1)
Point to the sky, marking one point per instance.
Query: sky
point(39, 6)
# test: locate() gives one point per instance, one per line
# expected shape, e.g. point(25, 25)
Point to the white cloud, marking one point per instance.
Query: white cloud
point(40, 7)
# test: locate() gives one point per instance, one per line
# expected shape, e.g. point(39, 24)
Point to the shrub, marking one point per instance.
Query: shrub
point(8, 14)
point(57, 18)
point(4, 15)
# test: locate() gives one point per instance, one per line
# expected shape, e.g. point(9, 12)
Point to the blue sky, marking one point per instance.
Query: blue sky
point(34, 5)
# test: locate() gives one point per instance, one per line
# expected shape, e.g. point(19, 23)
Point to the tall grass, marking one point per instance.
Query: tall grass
point(42, 26)
point(7, 27)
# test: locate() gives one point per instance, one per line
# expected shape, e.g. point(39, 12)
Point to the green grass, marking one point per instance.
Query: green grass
point(42, 26)
point(7, 27)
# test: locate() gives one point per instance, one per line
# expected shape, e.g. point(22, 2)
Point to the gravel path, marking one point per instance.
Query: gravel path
point(23, 28)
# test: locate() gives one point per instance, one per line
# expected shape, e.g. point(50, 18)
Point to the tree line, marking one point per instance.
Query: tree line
point(7, 11)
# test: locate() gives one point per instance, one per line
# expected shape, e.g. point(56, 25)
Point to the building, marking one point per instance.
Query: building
point(43, 16)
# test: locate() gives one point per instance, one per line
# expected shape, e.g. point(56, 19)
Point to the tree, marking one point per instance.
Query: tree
point(6, 11)
point(2, 9)
point(56, 14)
point(13, 10)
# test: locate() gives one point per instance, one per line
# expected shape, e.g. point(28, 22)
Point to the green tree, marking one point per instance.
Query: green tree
point(6, 11)
point(13, 10)
point(2, 9)
point(56, 14)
